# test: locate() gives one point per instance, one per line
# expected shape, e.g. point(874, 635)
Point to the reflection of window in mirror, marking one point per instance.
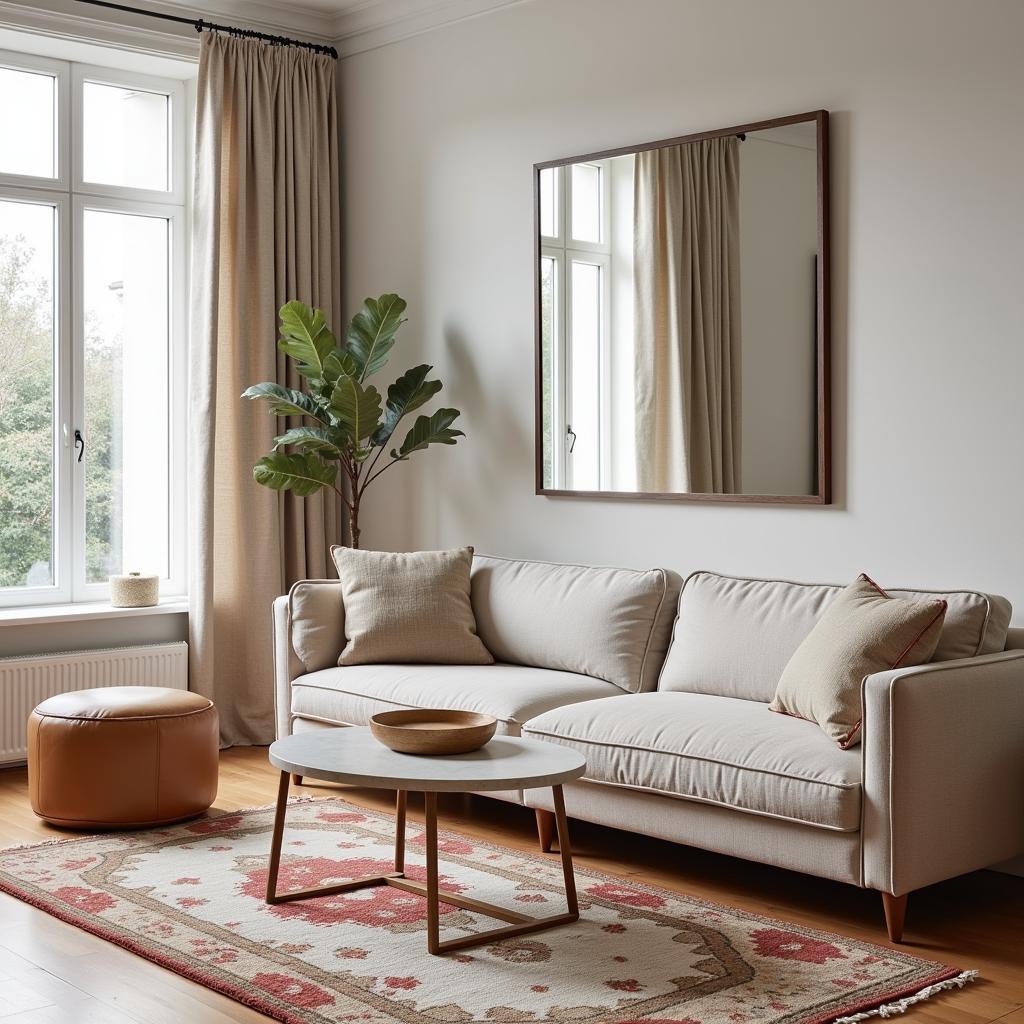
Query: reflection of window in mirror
point(576, 269)
point(680, 344)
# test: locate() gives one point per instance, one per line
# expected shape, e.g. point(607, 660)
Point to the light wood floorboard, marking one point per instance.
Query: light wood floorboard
point(52, 973)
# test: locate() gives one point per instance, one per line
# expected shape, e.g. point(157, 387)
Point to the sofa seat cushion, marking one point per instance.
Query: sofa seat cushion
point(717, 750)
point(511, 693)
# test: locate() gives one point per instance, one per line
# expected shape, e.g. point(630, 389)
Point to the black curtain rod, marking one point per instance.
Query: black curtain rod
point(205, 26)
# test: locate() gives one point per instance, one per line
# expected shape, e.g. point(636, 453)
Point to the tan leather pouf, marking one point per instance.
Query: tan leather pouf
point(122, 757)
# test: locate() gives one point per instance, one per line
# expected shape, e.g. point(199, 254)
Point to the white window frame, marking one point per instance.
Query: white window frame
point(60, 70)
point(175, 93)
point(63, 484)
point(71, 196)
point(565, 250)
point(559, 388)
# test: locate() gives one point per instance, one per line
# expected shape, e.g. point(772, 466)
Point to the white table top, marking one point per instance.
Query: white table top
point(352, 755)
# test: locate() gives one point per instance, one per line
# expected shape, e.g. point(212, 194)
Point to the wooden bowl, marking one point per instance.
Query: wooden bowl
point(432, 730)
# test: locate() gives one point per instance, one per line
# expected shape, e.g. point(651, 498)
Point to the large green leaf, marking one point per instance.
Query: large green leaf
point(409, 392)
point(330, 442)
point(339, 364)
point(429, 430)
point(357, 408)
point(287, 401)
point(372, 333)
point(305, 337)
point(304, 473)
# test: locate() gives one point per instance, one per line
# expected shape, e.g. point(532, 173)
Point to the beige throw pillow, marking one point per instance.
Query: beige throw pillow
point(862, 631)
point(408, 607)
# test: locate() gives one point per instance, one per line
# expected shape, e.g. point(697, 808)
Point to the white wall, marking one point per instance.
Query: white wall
point(778, 244)
point(441, 131)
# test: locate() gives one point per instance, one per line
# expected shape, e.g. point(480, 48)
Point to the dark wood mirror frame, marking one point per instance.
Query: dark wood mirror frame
point(823, 460)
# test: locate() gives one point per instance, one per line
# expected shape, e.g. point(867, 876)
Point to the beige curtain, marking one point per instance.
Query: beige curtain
point(687, 317)
point(266, 229)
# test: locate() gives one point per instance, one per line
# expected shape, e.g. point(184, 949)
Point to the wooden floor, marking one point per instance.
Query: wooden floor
point(52, 973)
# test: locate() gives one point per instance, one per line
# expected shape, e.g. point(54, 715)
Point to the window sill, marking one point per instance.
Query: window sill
point(88, 611)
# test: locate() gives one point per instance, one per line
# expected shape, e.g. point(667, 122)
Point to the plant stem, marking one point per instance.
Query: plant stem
point(380, 452)
point(353, 469)
point(353, 524)
point(369, 480)
point(341, 494)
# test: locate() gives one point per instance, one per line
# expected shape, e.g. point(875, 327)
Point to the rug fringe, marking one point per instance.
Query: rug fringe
point(902, 1005)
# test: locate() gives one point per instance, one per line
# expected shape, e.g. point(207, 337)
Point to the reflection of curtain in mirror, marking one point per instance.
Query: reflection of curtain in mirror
point(687, 317)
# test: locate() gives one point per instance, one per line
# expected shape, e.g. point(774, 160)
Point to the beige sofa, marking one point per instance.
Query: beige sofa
point(664, 687)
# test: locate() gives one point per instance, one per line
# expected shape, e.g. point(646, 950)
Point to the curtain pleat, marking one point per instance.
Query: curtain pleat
point(266, 229)
point(687, 317)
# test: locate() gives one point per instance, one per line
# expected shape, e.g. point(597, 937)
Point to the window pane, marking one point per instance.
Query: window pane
point(586, 202)
point(126, 394)
point(586, 375)
point(28, 123)
point(549, 202)
point(27, 332)
point(548, 292)
point(124, 137)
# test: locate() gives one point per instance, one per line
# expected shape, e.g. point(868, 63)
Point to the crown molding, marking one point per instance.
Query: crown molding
point(359, 26)
point(275, 18)
point(65, 19)
point(61, 19)
point(370, 24)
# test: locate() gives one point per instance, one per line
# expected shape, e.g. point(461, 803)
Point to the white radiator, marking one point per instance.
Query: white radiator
point(24, 682)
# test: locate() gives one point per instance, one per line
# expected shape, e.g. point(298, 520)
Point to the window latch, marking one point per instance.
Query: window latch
point(569, 432)
point(79, 440)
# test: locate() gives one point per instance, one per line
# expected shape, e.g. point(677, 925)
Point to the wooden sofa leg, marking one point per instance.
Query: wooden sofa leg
point(895, 913)
point(545, 829)
point(296, 780)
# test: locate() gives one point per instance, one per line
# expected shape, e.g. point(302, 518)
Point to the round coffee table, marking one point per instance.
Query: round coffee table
point(351, 755)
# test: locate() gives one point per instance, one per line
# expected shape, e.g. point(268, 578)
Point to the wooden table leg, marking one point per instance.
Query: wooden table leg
point(433, 914)
point(275, 841)
point(400, 830)
point(565, 850)
point(519, 924)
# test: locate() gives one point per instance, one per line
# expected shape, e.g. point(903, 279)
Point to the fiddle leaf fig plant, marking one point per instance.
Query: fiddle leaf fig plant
point(350, 425)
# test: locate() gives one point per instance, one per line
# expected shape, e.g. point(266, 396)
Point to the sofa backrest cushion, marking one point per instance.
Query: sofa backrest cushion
point(613, 624)
point(316, 616)
point(733, 637)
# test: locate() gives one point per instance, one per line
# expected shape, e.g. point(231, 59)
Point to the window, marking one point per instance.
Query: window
point(575, 263)
point(92, 335)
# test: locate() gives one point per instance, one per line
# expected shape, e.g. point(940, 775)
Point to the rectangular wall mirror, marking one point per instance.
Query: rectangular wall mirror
point(682, 317)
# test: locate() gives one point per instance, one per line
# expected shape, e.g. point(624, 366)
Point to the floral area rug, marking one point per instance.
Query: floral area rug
point(191, 898)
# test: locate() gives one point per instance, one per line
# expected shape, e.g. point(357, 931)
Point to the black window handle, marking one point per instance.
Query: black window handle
point(568, 430)
point(79, 440)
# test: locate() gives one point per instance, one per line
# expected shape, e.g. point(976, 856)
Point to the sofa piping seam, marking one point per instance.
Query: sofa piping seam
point(384, 700)
point(293, 717)
point(694, 757)
point(569, 565)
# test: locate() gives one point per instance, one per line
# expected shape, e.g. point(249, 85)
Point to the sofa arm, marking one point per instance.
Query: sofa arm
point(943, 763)
point(286, 667)
point(309, 633)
